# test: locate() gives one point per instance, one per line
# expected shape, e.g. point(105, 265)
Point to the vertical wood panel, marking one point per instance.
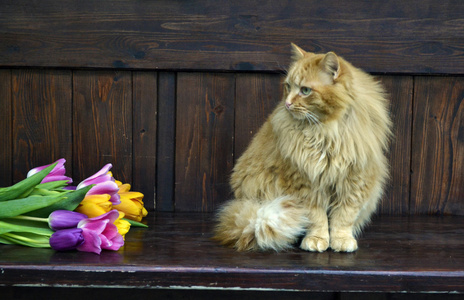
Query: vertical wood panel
point(102, 123)
point(144, 135)
point(438, 146)
point(256, 97)
point(5, 128)
point(204, 140)
point(167, 141)
point(42, 117)
point(400, 90)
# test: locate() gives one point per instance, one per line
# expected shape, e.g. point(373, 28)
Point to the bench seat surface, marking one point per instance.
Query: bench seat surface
point(396, 254)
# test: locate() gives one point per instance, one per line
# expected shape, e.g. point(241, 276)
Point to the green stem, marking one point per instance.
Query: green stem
point(22, 238)
point(135, 223)
point(21, 217)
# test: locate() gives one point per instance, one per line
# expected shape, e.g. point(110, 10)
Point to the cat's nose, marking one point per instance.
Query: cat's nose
point(288, 104)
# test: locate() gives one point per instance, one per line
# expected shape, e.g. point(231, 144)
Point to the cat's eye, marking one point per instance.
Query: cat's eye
point(305, 91)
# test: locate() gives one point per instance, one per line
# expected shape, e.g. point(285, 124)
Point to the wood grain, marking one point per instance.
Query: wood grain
point(6, 129)
point(105, 131)
point(418, 36)
point(42, 119)
point(144, 135)
point(167, 141)
point(102, 123)
point(257, 95)
point(396, 254)
point(396, 199)
point(204, 140)
point(438, 146)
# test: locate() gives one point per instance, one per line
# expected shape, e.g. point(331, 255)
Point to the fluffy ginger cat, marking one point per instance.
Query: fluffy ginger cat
point(316, 169)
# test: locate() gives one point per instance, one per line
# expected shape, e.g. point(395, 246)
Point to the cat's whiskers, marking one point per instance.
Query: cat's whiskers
point(312, 118)
point(315, 118)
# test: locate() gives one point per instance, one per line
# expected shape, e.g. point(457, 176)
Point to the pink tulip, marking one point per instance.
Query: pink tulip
point(100, 233)
point(104, 184)
point(55, 175)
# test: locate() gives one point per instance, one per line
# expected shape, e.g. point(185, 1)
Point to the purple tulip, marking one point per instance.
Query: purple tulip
point(70, 187)
point(90, 235)
point(55, 175)
point(63, 219)
point(67, 239)
point(100, 233)
point(104, 184)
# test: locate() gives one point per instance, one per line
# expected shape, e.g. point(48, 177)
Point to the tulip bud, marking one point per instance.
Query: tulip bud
point(132, 205)
point(58, 172)
point(67, 239)
point(62, 219)
point(122, 225)
point(104, 184)
point(100, 233)
point(95, 205)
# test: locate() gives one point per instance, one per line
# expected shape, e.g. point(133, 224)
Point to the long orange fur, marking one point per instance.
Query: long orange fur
point(317, 167)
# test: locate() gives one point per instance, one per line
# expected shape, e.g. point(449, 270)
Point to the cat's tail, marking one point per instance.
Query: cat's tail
point(257, 225)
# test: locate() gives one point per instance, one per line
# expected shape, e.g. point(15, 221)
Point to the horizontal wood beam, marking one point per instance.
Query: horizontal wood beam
point(419, 36)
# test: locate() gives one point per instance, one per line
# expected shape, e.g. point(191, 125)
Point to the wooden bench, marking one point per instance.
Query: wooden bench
point(172, 92)
point(417, 254)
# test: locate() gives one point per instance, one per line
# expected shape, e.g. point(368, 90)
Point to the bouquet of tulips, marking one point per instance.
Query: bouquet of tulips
point(44, 210)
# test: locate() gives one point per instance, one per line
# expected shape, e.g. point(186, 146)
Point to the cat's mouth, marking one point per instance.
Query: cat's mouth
point(303, 114)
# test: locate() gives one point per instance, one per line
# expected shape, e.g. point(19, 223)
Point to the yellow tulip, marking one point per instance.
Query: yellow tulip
point(95, 205)
point(132, 205)
point(122, 225)
point(131, 202)
point(123, 188)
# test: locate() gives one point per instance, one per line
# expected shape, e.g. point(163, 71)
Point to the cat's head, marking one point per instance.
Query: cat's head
point(315, 88)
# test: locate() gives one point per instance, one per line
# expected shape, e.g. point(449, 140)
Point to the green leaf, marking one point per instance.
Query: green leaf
point(70, 202)
point(135, 223)
point(45, 192)
point(26, 239)
point(53, 185)
point(4, 241)
point(24, 187)
point(14, 225)
point(13, 208)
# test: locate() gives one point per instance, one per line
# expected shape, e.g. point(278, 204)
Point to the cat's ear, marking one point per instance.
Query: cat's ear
point(297, 52)
point(331, 65)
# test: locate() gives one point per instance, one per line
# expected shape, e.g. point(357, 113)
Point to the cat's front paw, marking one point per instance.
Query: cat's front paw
point(314, 244)
point(343, 244)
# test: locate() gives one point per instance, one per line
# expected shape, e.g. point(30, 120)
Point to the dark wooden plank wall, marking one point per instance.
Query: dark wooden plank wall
point(180, 132)
point(437, 179)
point(204, 139)
point(6, 141)
point(171, 92)
point(396, 36)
